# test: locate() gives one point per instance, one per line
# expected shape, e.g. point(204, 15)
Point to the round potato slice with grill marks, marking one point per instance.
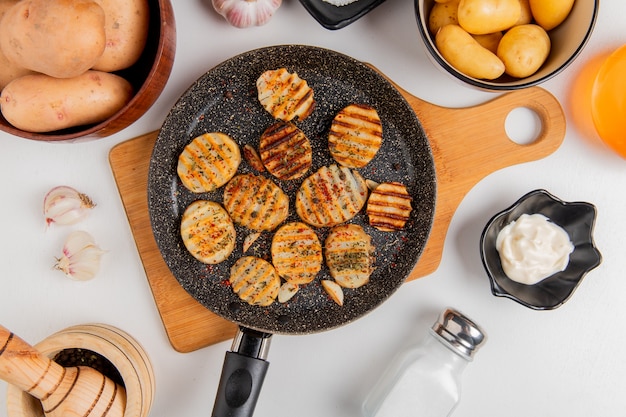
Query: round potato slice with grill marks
point(255, 202)
point(355, 136)
point(207, 231)
point(208, 162)
point(296, 253)
point(389, 206)
point(349, 255)
point(285, 95)
point(254, 280)
point(331, 196)
point(285, 151)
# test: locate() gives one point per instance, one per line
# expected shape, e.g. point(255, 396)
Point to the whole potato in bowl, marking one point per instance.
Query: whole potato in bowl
point(8, 70)
point(524, 49)
point(567, 41)
point(550, 13)
point(466, 54)
point(443, 14)
point(480, 17)
point(41, 103)
point(61, 38)
point(126, 31)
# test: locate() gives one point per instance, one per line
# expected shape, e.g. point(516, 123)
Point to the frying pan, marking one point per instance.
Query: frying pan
point(225, 99)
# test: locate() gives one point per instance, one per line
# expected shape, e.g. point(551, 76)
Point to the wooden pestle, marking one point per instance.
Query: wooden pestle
point(63, 392)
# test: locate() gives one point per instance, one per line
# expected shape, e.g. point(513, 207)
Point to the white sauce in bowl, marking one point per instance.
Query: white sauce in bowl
point(533, 248)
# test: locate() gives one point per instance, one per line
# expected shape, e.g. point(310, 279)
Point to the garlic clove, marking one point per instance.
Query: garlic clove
point(246, 13)
point(287, 291)
point(81, 257)
point(65, 205)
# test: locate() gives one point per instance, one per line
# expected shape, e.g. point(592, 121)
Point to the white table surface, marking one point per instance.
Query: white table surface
point(566, 362)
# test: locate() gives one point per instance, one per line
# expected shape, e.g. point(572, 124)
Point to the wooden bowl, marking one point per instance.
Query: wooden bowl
point(116, 346)
point(148, 76)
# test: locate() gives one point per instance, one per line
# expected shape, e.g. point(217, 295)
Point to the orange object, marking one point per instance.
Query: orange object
point(608, 101)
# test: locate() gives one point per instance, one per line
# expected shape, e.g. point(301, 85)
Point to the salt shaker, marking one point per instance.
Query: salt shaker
point(425, 380)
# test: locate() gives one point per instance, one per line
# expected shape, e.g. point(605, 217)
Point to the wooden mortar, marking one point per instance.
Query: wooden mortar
point(113, 344)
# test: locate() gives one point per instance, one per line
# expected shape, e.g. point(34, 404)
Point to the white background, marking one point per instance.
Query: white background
point(566, 362)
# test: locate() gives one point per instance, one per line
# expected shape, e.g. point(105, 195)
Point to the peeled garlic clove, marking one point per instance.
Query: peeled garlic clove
point(81, 257)
point(246, 13)
point(287, 291)
point(334, 290)
point(64, 205)
point(249, 240)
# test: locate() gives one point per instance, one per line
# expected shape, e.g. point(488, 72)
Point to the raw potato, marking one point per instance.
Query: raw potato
point(524, 49)
point(40, 103)
point(443, 14)
point(480, 17)
point(466, 55)
point(126, 29)
point(8, 70)
point(550, 13)
point(61, 38)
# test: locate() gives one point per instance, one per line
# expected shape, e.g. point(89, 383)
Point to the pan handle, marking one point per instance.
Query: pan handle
point(243, 373)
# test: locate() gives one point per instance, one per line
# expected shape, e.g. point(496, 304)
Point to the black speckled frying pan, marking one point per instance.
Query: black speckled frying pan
point(225, 99)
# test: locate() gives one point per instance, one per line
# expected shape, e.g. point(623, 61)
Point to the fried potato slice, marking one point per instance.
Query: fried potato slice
point(255, 202)
point(254, 280)
point(331, 196)
point(389, 206)
point(296, 253)
point(207, 231)
point(285, 95)
point(349, 255)
point(208, 162)
point(355, 136)
point(285, 151)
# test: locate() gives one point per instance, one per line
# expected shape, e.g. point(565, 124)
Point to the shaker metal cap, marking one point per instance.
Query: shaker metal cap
point(459, 332)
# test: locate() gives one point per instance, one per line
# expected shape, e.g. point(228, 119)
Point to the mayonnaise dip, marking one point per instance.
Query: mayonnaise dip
point(533, 248)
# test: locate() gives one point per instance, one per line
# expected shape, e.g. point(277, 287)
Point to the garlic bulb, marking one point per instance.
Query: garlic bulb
point(81, 257)
point(65, 205)
point(246, 13)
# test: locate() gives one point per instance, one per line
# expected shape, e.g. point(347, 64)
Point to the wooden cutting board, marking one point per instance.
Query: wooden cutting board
point(467, 143)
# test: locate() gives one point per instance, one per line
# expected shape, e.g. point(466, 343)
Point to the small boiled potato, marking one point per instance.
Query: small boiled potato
point(40, 103)
point(550, 13)
point(126, 29)
point(61, 38)
point(443, 14)
point(480, 17)
point(524, 49)
point(8, 70)
point(466, 55)
point(526, 16)
point(489, 41)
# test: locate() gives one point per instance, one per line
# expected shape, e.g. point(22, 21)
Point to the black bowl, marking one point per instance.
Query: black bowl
point(568, 40)
point(336, 17)
point(576, 218)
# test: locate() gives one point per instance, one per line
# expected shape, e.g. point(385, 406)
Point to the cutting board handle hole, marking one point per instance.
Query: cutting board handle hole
point(523, 125)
